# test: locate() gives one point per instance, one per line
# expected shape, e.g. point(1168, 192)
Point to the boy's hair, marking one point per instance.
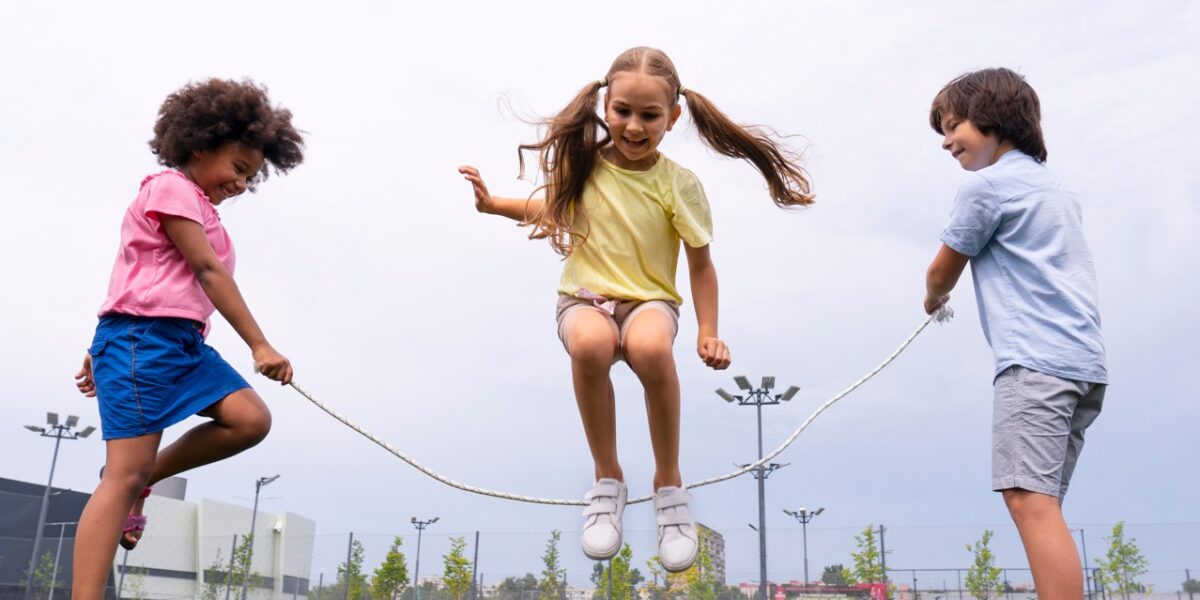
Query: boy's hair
point(203, 116)
point(995, 101)
point(567, 152)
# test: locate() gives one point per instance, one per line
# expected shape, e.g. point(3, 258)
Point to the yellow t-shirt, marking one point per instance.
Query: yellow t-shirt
point(635, 220)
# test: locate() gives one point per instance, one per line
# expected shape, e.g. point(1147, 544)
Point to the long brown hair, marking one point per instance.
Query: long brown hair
point(567, 153)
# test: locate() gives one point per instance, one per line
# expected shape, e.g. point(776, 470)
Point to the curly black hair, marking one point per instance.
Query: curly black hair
point(203, 116)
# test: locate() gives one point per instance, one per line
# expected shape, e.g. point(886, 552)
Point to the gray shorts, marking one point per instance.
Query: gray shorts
point(1037, 429)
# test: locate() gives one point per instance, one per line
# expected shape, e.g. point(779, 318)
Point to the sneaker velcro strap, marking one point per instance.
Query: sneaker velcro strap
point(598, 508)
point(602, 490)
point(662, 502)
point(679, 517)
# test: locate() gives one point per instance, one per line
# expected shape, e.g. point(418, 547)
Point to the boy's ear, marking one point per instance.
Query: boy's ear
point(675, 112)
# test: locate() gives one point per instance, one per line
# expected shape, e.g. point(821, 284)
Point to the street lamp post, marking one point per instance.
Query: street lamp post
point(1086, 576)
point(60, 432)
point(804, 516)
point(758, 397)
point(259, 484)
point(420, 525)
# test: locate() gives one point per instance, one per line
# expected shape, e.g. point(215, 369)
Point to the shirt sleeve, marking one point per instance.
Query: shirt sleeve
point(172, 195)
point(691, 217)
point(975, 217)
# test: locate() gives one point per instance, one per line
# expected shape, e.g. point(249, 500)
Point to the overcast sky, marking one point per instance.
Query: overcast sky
point(433, 325)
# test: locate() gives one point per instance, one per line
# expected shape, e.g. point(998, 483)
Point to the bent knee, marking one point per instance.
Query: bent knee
point(1025, 505)
point(648, 355)
point(591, 349)
point(256, 426)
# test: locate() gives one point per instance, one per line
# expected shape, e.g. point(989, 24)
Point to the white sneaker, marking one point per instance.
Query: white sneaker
point(601, 537)
point(678, 540)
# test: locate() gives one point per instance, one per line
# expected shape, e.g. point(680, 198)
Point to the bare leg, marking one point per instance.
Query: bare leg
point(648, 342)
point(1057, 573)
point(239, 421)
point(592, 344)
point(127, 469)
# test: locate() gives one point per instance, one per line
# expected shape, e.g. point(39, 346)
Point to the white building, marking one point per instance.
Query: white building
point(184, 541)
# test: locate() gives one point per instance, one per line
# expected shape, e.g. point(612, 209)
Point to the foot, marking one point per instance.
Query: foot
point(601, 537)
point(135, 523)
point(678, 539)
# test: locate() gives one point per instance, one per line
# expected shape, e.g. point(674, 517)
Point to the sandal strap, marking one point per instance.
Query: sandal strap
point(146, 492)
point(135, 523)
point(672, 500)
point(599, 508)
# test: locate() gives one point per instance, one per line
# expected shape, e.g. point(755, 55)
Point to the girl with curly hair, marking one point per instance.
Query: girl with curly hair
point(617, 209)
point(148, 365)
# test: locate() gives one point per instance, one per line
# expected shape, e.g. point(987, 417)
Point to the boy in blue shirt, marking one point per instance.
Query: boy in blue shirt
point(1035, 284)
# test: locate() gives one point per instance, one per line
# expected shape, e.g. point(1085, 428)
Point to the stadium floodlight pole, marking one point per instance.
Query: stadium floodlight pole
point(758, 397)
point(60, 432)
point(259, 484)
point(804, 516)
point(420, 525)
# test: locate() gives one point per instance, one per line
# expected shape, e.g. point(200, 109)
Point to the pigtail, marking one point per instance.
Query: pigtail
point(786, 180)
point(566, 157)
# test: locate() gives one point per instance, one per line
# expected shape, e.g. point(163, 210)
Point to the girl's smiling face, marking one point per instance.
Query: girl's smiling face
point(224, 172)
point(639, 111)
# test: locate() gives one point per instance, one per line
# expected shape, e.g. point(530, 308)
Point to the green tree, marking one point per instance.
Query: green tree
point(457, 573)
point(652, 587)
point(836, 575)
point(868, 564)
point(552, 584)
point(135, 584)
point(512, 588)
point(1191, 586)
point(214, 576)
point(43, 576)
point(983, 577)
point(700, 579)
point(238, 567)
point(391, 577)
point(351, 574)
point(1122, 564)
point(624, 579)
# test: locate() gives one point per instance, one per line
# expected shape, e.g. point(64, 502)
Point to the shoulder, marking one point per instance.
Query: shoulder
point(682, 181)
point(171, 192)
point(172, 182)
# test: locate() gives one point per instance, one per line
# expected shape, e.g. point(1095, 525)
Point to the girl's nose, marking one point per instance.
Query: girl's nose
point(946, 142)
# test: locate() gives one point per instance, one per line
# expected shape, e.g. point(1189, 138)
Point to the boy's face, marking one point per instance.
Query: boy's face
point(971, 148)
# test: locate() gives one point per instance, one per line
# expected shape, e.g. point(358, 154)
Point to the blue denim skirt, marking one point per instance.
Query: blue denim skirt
point(153, 372)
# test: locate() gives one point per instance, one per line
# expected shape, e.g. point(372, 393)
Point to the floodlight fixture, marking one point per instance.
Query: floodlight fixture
point(790, 393)
point(87, 431)
point(52, 418)
point(72, 420)
point(768, 382)
point(743, 383)
point(35, 428)
point(726, 395)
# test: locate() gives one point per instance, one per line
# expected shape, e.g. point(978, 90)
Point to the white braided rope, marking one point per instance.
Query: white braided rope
point(941, 316)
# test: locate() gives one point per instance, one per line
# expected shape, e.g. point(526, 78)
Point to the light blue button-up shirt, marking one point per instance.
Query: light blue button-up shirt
point(1035, 280)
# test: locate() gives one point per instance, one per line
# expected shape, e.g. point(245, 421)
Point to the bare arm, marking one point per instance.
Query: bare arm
point(703, 275)
point(218, 285)
point(517, 209)
point(942, 276)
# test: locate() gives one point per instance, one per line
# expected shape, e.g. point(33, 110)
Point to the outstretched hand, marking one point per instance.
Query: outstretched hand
point(84, 380)
point(483, 199)
point(713, 352)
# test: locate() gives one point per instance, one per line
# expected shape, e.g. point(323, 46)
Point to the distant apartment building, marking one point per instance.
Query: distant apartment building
point(715, 543)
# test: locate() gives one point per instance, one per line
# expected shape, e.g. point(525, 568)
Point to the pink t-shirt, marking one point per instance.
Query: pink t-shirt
point(150, 277)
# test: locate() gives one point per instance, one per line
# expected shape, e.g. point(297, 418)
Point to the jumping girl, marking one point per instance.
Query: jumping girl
point(148, 365)
point(616, 209)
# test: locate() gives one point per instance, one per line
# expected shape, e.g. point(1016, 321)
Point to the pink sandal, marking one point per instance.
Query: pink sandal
point(134, 523)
